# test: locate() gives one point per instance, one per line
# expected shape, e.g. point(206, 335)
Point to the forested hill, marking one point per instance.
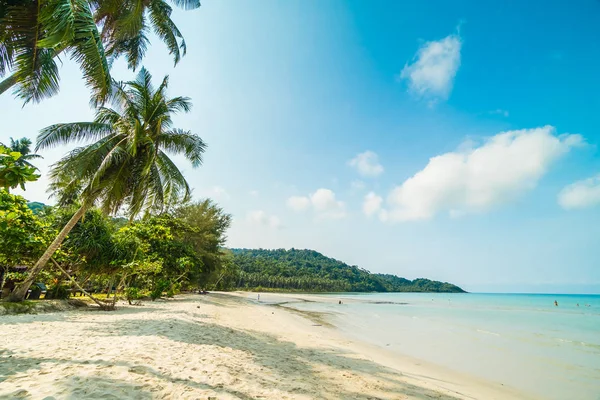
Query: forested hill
point(309, 270)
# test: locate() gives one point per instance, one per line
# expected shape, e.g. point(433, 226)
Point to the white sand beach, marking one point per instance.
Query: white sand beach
point(219, 346)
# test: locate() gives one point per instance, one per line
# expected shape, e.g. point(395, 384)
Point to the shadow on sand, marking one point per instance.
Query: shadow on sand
point(297, 370)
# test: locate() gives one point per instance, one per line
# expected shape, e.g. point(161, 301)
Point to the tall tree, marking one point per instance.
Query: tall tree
point(33, 33)
point(126, 169)
point(23, 146)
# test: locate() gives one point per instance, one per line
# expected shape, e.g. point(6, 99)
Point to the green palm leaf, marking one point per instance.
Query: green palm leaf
point(126, 168)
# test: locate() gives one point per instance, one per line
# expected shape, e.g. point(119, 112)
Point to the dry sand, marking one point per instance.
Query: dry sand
point(209, 347)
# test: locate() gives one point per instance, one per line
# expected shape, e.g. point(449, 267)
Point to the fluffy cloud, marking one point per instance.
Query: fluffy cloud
point(322, 201)
point(432, 73)
point(261, 218)
point(372, 204)
point(367, 164)
point(478, 178)
point(298, 203)
point(581, 194)
point(357, 185)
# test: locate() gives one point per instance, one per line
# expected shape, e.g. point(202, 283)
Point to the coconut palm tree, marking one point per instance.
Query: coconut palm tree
point(126, 169)
point(33, 33)
point(23, 146)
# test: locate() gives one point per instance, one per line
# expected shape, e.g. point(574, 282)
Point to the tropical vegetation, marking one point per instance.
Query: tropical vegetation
point(308, 270)
point(181, 248)
point(126, 168)
point(15, 171)
point(35, 33)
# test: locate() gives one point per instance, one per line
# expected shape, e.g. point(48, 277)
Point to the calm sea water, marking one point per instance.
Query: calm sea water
point(520, 340)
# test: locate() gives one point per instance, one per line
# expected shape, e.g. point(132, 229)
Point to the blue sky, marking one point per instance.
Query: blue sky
point(456, 141)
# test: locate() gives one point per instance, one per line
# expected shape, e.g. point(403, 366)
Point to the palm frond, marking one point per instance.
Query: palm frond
point(72, 132)
point(179, 141)
point(133, 48)
point(177, 104)
point(175, 184)
point(187, 4)
point(165, 28)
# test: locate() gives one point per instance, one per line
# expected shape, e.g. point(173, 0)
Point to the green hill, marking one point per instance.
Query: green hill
point(308, 270)
point(36, 206)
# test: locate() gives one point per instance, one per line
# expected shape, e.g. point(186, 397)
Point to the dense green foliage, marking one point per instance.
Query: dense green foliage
point(149, 257)
point(13, 171)
point(308, 270)
point(34, 33)
point(23, 146)
point(23, 236)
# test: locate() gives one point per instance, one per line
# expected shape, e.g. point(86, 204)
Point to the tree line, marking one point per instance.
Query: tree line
point(309, 270)
point(179, 249)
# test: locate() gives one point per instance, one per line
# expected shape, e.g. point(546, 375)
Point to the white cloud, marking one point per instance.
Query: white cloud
point(322, 201)
point(261, 218)
point(432, 73)
point(367, 164)
point(357, 185)
point(478, 178)
point(581, 194)
point(298, 203)
point(326, 205)
point(372, 204)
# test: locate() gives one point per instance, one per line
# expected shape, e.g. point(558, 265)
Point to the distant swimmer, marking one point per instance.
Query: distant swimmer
point(556, 303)
point(577, 304)
point(340, 302)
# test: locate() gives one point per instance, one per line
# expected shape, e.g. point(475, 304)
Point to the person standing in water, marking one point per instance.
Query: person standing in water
point(259, 297)
point(555, 303)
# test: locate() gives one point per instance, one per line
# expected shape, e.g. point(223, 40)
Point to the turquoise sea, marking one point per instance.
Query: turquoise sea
point(520, 340)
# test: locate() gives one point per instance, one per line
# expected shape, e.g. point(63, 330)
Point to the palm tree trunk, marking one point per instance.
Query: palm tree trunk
point(102, 305)
point(3, 281)
point(8, 83)
point(21, 290)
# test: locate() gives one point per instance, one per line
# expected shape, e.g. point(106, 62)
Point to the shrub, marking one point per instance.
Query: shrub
point(59, 292)
point(159, 288)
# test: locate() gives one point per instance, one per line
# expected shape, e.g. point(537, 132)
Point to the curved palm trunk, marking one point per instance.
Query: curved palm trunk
point(8, 83)
point(103, 306)
point(21, 290)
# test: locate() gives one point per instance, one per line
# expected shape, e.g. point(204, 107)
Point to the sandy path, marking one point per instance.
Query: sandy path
point(204, 347)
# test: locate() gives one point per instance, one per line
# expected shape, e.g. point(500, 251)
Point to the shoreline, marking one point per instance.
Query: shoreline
point(220, 346)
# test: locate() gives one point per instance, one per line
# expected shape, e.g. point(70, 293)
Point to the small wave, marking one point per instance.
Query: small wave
point(580, 343)
point(565, 340)
point(488, 332)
